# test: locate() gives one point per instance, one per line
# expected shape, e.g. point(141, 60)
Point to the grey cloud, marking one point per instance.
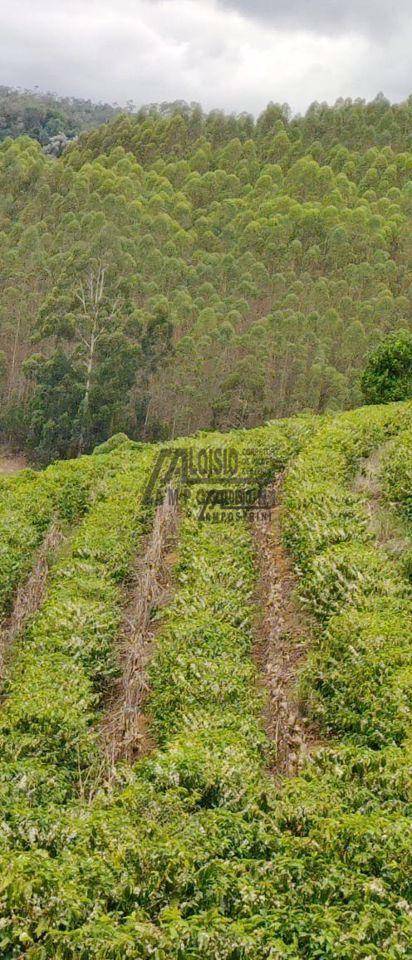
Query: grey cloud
point(149, 50)
point(374, 18)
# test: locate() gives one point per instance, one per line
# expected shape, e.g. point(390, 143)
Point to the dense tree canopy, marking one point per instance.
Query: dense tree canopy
point(388, 373)
point(43, 116)
point(175, 270)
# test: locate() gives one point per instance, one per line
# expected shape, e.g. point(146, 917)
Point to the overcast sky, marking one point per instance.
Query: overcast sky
point(234, 54)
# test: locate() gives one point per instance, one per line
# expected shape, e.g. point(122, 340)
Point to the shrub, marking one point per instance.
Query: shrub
point(388, 373)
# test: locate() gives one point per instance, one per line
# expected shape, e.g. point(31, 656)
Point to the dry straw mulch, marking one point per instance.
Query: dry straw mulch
point(283, 632)
point(125, 731)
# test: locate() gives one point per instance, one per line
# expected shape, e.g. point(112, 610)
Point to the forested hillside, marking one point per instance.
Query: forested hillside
point(43, 115)
point(175, 271)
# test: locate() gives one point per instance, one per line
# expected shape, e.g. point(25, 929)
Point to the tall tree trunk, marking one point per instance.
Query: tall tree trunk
point(86, 397)
point(94, 299)
point(14, 357)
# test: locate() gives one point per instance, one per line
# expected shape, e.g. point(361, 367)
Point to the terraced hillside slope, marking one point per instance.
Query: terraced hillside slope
point(171, 786)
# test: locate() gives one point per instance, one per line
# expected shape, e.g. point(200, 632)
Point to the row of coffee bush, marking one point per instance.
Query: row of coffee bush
point(195, 851)
point(100, 873)
point(62, 665)
point(32, 501)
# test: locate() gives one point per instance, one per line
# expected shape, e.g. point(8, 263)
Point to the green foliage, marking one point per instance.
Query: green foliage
point(63, 665)
point(249, 268)
point(117, 440)
point(42, 116)
point(358, 679)
point(358, 683)
point(54, 409)
point(397, 473)
point(194, 851)
point(30, 502)
point(208, 724)
point(388, 374)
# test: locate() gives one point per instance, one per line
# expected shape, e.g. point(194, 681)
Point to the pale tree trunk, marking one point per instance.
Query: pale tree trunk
point(14, 357)
point(86, 397)
point(91, 303)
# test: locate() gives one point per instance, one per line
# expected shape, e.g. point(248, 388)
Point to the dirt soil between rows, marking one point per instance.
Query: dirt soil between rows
point(125, 729)
point(284, 634)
